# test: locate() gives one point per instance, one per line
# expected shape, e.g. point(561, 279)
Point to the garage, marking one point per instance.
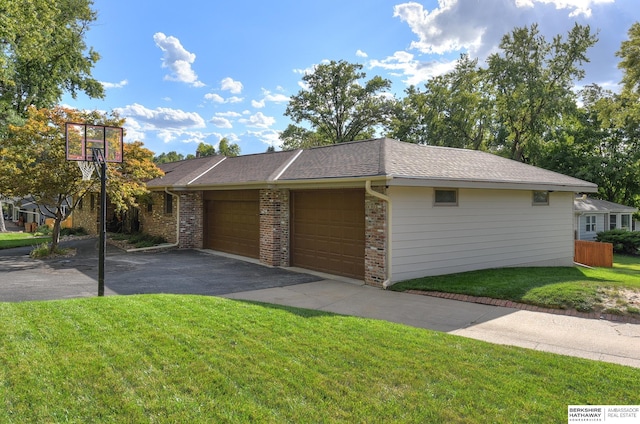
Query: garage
point(327, 231)
point(232, 222)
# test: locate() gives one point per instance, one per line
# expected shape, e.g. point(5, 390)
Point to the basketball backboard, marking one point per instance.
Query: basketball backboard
point(83, 138)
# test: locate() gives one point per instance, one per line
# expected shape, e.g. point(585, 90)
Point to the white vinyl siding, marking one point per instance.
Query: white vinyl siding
point(583, 234)
point(488, 229)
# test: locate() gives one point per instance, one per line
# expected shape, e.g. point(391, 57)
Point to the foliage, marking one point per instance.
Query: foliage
point(623, 241)
point(173, 358)
point(337, 106)
point(75, 231)
point(452, 111)
point(630, 54)
point(34, 164)
point(140, 240)
point(228, 149)
point(550, 287)
point(532, 81)
point(204, 150)
point(44, 54)
point(45, 250)
point(171, 156)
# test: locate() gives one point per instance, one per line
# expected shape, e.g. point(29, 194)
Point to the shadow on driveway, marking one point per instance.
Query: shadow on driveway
point(170, 271)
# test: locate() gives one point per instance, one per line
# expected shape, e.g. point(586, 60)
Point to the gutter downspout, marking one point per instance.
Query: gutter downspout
point(387, 282)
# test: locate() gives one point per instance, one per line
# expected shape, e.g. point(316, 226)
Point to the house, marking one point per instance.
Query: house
point(378, 210)
point(592, 216)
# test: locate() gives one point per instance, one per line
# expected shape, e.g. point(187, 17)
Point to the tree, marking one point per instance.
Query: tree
point(226, 149)
point(453, 110)
point(204, 150)
point(34, 163)
point(532, 81)
point(600, 144)
point(44, 54)
point(630, 63)
point(337, 106)
point(172, 156)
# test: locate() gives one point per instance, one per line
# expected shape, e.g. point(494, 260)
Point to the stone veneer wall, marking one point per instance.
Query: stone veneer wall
point(375, 239)
point(87, 217)
point(155, 221)
point(274, 227)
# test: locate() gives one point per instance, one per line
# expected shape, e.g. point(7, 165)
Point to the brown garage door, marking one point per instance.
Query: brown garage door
point(232, 222)
point(327, 231)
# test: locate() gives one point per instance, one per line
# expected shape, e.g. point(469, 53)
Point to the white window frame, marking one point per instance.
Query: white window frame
point(590, 223)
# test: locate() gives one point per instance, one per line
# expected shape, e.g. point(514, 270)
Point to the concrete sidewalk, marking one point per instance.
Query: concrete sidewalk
point(585, 338)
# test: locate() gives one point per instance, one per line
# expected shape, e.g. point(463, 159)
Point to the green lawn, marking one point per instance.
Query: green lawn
point(173, 358)
point(583, 289)
point(11, 240)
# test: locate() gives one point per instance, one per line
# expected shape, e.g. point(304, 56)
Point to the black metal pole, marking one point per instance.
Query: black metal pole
point(103, 226)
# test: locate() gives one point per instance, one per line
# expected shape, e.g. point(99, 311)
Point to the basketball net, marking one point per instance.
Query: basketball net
point(86, 168)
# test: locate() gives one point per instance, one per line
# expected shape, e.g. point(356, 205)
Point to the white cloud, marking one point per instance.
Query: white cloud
point(177, 59)
point(162, 118)
point(235, 87)
point(221, 122)
point(259, 120)
point(120, 84)
point(578, 7)
point(234, 99)
point(268, 137)
point(229, 114)
point(215, 98)
point(404, 64)
point(360, 53)
point(441, 30)
point(269, 97)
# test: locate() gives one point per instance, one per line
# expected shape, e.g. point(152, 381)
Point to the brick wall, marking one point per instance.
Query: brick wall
point(191, 220)
point(274, 227)
point(375, 239)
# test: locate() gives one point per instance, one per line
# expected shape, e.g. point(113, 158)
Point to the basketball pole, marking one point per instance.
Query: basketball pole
point(100, 161)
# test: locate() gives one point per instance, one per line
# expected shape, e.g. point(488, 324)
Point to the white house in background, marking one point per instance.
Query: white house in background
point(594, 215)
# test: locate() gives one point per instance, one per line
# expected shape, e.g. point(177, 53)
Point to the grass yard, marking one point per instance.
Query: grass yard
point(172, 358)
point(612, 290)
point(11, 240)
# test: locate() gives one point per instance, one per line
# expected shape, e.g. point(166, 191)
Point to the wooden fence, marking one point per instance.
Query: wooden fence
point(593, 253)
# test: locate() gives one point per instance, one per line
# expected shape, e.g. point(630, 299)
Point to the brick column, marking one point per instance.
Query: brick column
point(274, 227)
point(191, 220)
point(375, 239)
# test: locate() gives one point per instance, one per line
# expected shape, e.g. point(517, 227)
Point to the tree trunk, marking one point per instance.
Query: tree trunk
point(3, 228)
point(55, 235)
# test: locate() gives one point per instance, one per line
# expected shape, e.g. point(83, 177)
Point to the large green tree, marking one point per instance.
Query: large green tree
point(337, 105)
point(34, 164)
point(532, 80)
point(43, 53)
point(630, 54)
point(453, 110)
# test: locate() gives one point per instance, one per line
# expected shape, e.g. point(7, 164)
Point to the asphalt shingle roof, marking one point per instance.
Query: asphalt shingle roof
point(361, 159)
point(587, 204)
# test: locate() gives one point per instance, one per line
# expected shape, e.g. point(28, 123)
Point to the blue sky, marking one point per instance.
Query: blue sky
point(195, 71)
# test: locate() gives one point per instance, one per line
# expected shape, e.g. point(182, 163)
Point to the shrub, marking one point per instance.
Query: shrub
point(76, 231)
point(623, 241)
point(43, 251)
point(44, 230)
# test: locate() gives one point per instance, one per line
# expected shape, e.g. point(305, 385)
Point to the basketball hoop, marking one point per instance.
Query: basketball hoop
point(87, 169)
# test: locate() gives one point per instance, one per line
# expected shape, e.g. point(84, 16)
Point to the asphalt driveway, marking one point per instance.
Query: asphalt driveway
point(171, 271)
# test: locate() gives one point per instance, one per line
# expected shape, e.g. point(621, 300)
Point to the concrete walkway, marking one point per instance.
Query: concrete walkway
point(585, 338)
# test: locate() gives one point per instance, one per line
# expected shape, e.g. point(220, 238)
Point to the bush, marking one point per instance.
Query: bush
point(77, 231)
point(44, 230)
point(623, 241)
point(43, 251)
point(140, 239)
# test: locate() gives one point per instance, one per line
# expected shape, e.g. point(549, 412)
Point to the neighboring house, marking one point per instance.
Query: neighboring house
point(594, 215)
point(376, 210)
